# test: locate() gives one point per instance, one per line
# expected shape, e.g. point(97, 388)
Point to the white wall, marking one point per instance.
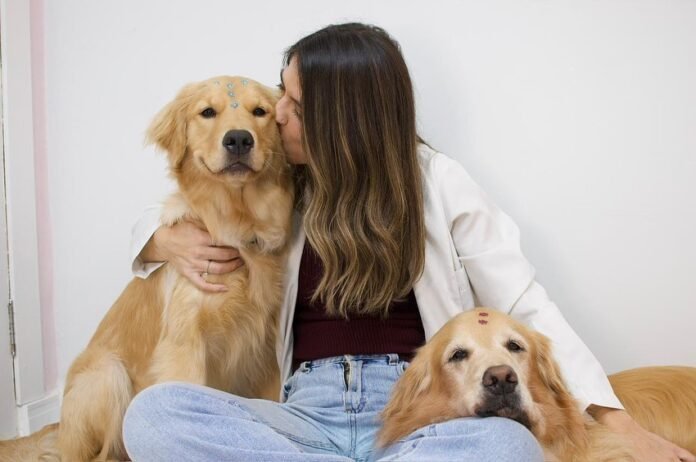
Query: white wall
point(577, 117)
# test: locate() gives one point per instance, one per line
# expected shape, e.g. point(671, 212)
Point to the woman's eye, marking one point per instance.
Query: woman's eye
point(514, 346)
point(259, 112)
point(459, 355)
point(208, 113)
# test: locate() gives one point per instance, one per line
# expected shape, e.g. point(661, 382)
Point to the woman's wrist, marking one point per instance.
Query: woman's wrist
point(152, 252)
point(613, 418)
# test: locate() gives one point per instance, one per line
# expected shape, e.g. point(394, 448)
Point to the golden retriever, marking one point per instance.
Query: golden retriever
point(37, 447)
point(224, 151)
point(483, 363)
point(662, 400)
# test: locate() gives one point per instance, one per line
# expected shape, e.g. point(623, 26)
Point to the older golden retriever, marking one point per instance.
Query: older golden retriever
point(483, 363)
point(225, 153)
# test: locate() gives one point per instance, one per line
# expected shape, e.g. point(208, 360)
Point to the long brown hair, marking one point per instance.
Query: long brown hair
point(362, 188)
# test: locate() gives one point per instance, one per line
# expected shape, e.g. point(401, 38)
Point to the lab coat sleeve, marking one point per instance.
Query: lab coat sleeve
point(141, 233)
point(488, 245)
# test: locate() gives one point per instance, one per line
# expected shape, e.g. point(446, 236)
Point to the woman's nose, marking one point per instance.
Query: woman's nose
point(280, 117)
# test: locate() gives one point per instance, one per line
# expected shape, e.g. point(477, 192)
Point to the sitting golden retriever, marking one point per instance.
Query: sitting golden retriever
point(483, 363)
point(225, 153)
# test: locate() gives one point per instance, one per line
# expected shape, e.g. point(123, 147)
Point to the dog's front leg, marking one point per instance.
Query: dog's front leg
point(180, 354)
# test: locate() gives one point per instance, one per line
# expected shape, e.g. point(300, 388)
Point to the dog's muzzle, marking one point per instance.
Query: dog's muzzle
point(238, 144)
point(500, 395)
point(499, 380)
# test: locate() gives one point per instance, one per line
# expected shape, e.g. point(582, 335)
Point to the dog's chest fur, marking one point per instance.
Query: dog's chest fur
point(233, 222)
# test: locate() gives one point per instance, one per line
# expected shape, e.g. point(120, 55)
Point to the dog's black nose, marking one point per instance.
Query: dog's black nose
point(499, 380)
point(238, 142)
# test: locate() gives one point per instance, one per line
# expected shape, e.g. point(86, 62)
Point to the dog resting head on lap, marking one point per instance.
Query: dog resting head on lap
point(483, 363)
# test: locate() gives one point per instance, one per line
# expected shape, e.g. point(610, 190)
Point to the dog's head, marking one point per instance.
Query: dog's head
point(481, 363)
point(222, 129)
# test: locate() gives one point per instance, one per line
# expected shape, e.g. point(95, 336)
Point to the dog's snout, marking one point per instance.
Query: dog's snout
point(238, 142)
point(500, 380)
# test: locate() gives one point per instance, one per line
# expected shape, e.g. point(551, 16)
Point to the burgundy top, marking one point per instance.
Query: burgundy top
point(318, 335)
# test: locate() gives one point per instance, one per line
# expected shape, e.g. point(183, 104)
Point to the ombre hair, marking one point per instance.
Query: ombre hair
point(361, 190)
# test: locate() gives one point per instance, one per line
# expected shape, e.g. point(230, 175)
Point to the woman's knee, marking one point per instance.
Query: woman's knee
point(145, 410)
point(510, 441)
point(471, 439)
point(155, 415)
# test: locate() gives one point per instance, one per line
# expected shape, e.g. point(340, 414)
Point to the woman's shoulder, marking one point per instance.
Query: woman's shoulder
point(447, 182)
point(439, 167)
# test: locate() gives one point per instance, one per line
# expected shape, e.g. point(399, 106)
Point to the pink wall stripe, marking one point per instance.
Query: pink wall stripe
point(43, 216)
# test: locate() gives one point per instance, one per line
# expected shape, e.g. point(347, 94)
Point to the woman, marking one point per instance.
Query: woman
point(391, 240)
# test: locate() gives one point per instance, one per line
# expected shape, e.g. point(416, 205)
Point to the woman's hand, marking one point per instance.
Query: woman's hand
point(647, 446)
point(191, 251)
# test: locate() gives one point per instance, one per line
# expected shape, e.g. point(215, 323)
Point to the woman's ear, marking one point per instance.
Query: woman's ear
point(168, 129)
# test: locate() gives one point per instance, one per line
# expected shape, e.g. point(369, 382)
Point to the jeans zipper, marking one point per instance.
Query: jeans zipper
point(346, 374)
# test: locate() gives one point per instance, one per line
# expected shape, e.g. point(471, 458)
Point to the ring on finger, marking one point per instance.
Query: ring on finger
point(207, 269)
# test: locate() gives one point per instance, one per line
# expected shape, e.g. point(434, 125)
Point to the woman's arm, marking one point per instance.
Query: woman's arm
point(185, 246)
point(648, 446)
point(487, 242)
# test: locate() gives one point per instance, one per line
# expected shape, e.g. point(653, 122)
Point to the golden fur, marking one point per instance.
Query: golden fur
point(447, 380)
point(163, 328)
point(662, 400)
point(30, 448)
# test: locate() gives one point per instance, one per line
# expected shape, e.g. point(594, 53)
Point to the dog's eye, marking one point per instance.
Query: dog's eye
point(259, 112)
point(459, 355)
point(514, 346)
point(208, 113)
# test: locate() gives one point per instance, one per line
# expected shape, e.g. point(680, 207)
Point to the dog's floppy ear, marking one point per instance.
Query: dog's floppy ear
point(415, 381)
point(400, 414)
point(168, 129)
point(549, 372)
point(274, 93)
point(559, 410)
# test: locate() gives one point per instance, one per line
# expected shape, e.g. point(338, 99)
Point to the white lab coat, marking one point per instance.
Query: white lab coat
point(472, 258)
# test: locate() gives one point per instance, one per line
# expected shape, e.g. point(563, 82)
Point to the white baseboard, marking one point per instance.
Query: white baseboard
point(35, 415)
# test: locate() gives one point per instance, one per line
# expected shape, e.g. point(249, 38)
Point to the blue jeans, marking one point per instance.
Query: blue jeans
point(331, 413)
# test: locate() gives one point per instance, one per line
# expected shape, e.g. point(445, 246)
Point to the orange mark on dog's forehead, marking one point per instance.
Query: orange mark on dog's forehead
point(483, 314)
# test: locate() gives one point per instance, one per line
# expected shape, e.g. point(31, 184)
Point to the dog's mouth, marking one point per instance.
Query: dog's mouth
point(233, 168)
point(236, 168)
point(506, 405)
